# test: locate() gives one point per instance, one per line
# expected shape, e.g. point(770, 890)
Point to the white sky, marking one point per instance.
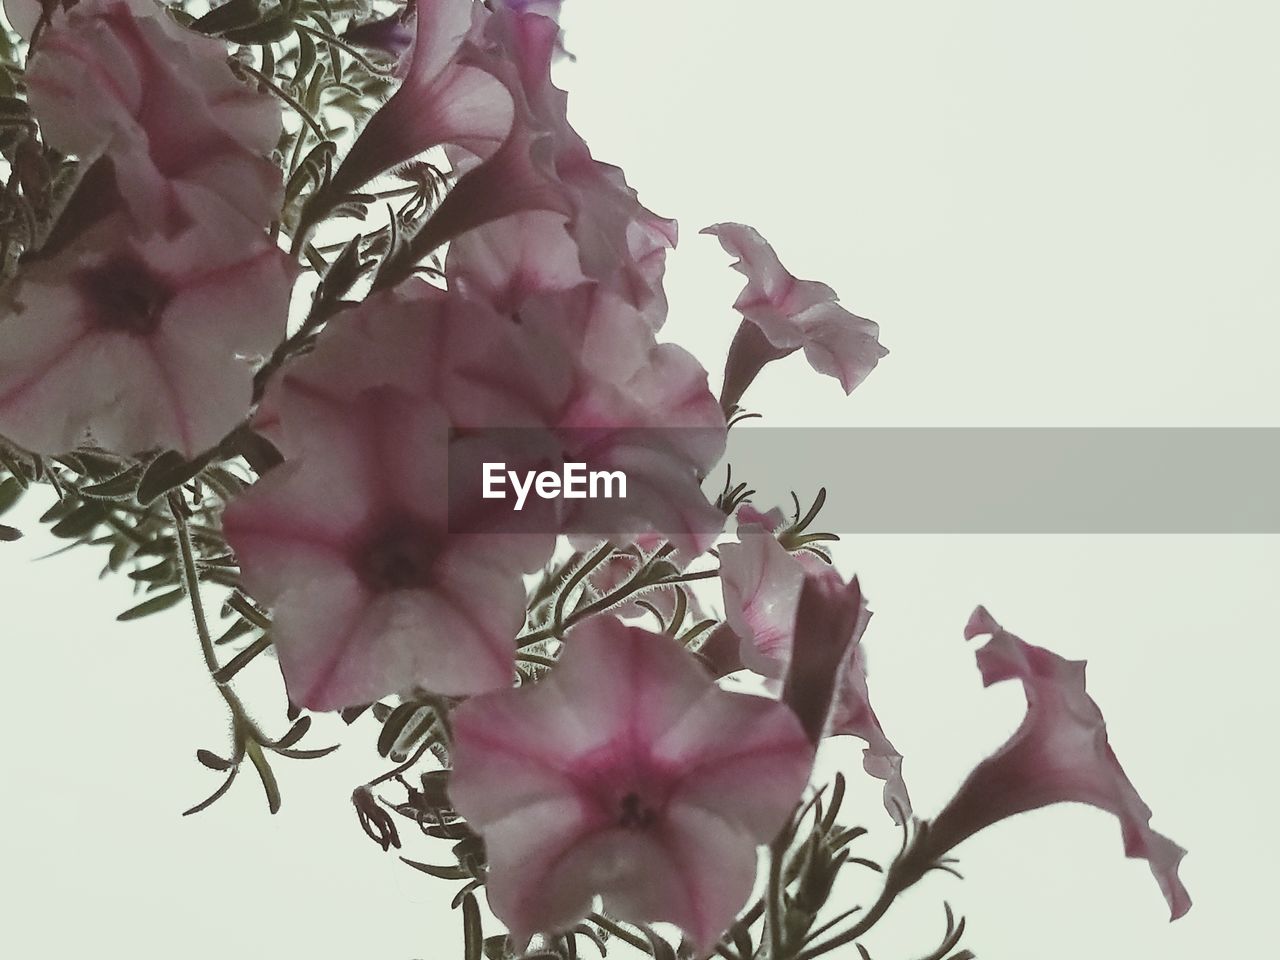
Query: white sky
point(1061, 214)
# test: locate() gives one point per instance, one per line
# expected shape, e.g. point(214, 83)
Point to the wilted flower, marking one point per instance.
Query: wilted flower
point(1058, 754)
point(796, 618)
point(138, 340)
point(782, 314)
point(121, 79)
point(613, 775)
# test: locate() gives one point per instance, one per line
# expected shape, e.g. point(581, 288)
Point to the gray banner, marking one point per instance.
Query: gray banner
point(1015, 480)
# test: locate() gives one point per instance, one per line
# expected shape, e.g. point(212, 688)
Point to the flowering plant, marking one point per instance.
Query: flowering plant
point(552, 687)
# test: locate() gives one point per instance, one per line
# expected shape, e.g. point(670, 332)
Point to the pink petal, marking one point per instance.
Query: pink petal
point(761, 585)
point(852, 715)
point(751, 779)
point(507, 261)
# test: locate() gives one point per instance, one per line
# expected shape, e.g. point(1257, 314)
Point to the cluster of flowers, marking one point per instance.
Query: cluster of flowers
point(627, 770)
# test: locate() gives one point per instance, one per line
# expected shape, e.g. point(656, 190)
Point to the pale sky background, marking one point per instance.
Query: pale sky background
point(1060, 214)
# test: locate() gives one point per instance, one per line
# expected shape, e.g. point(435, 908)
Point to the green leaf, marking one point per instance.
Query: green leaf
point(306, 55)
point(265, 773)
point(296, 733)
point(10, 493)
point(166, 472)
point(157, 573)
point(232, 15)
point(157, 603)
point(440, 873)
point(472, 932)
point(80, 521)
point(212, 760)
point(401, 718)
point(119, 487)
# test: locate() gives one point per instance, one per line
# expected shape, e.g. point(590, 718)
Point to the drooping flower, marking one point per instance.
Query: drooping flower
point(783, 635)
point(354, 546)
point(121, 79)
point(782, 314)
point(441, 99)
point(133, 340)
point(545, 165)
point(1059, 754)
point(613, 775)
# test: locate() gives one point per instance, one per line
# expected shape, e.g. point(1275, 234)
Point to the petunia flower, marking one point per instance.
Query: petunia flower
point(430, 343)
point(782, 314)
point(613, 776)
point(513, 258)
point(121, 79)
point(441, 99)
point(545, 165)
point(133, 341)
point(353, 545)
point(638, 406)
point(1059, 754)
point(764, 588)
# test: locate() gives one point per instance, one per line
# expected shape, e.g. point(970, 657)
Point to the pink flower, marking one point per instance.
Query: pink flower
point(797, 619)
point(433, 344)
point(134, 340)
point(121, 79)
point(1059, 754)
point(544, 165)
point(442, 99)
point(613, 776)
point(638, 406)
point(511, 259)
point(782, 314)
point(350, 545)
point(383, 572)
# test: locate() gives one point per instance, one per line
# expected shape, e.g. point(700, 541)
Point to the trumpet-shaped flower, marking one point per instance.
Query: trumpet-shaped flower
point(120, 78)
point(1058, 754)
point(441, 99)
point(782, 314)
point(133, 341)
point(613, 776)
point(544, 165)
point(783, 636)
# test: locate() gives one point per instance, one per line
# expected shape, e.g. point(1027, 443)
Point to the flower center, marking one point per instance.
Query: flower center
point(635, 814)
point(125, 296)
point(401, 555)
